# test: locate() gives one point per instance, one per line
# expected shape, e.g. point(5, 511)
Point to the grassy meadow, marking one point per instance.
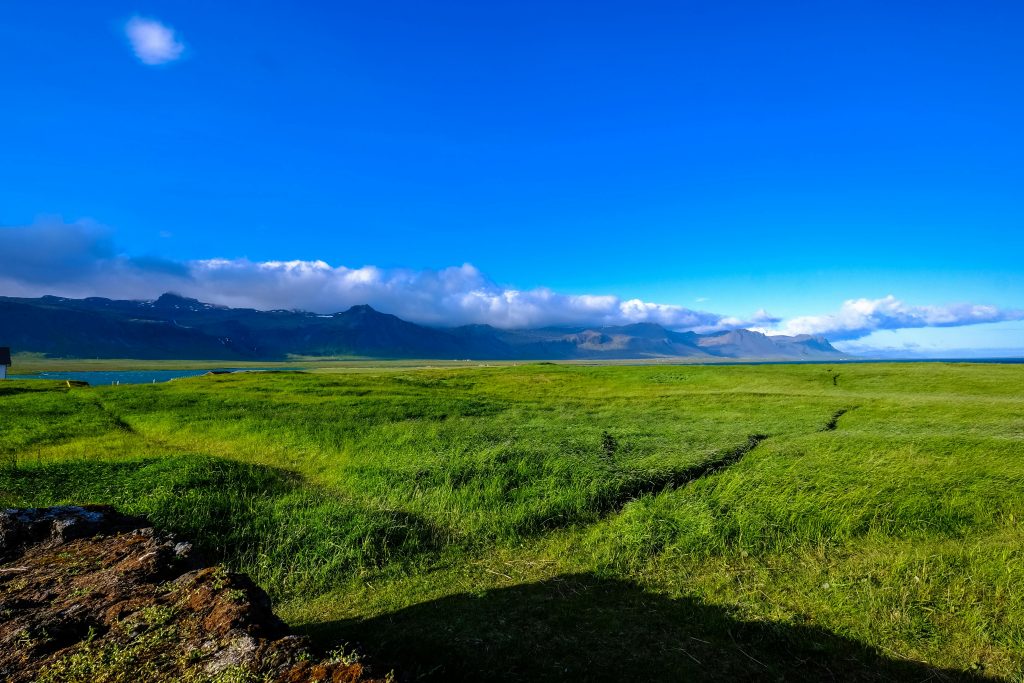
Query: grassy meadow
point(559, 522)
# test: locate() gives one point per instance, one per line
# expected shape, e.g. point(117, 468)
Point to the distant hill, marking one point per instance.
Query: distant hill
point(173, 326)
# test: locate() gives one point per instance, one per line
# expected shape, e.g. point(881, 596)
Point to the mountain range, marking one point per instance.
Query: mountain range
point(176, 327)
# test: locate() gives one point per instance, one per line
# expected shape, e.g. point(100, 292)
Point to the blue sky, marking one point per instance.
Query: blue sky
point(731, 157)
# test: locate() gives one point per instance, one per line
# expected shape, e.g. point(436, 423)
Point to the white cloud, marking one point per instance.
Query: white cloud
point(153, 42)
point(81, 259)
point(451, 296)
point(857, 318)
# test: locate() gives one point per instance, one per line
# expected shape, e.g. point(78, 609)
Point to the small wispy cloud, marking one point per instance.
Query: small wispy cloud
point(153, 42)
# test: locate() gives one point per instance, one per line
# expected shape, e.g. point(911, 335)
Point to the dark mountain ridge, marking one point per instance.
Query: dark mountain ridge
point(174, 326)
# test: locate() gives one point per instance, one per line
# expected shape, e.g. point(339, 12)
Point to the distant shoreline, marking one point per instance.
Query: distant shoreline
point(28, 366)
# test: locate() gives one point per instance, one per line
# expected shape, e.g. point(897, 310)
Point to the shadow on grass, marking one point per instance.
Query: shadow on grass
point(583, 628)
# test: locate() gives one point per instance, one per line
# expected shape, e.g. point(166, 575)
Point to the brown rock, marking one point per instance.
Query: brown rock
point(87, 594)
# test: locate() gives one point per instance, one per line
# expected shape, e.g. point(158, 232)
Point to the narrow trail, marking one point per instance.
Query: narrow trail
point(118, 421)
point(673, 480)
point(676, 479)
point(833, 422)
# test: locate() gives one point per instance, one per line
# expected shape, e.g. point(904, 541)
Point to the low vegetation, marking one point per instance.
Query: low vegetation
point(539, 521)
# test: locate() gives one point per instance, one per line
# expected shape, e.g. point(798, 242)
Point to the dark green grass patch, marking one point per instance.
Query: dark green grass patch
point(582, 627)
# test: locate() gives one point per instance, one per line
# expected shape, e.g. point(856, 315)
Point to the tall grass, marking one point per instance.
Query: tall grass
point(351, 496)
point(288, 535)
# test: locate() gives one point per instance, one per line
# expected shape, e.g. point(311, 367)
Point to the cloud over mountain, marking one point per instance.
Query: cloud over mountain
point(455, 295)
point(81, 259)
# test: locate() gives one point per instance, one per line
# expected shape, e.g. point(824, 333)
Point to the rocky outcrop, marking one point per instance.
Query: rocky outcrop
point(87, 594)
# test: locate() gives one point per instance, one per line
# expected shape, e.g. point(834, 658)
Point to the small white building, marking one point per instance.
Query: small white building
point(5, 361)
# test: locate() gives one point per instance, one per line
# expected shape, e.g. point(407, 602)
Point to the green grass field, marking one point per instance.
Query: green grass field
point(554, 522)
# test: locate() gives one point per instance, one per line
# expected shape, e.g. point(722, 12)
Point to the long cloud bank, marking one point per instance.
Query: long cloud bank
point(81, 259)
